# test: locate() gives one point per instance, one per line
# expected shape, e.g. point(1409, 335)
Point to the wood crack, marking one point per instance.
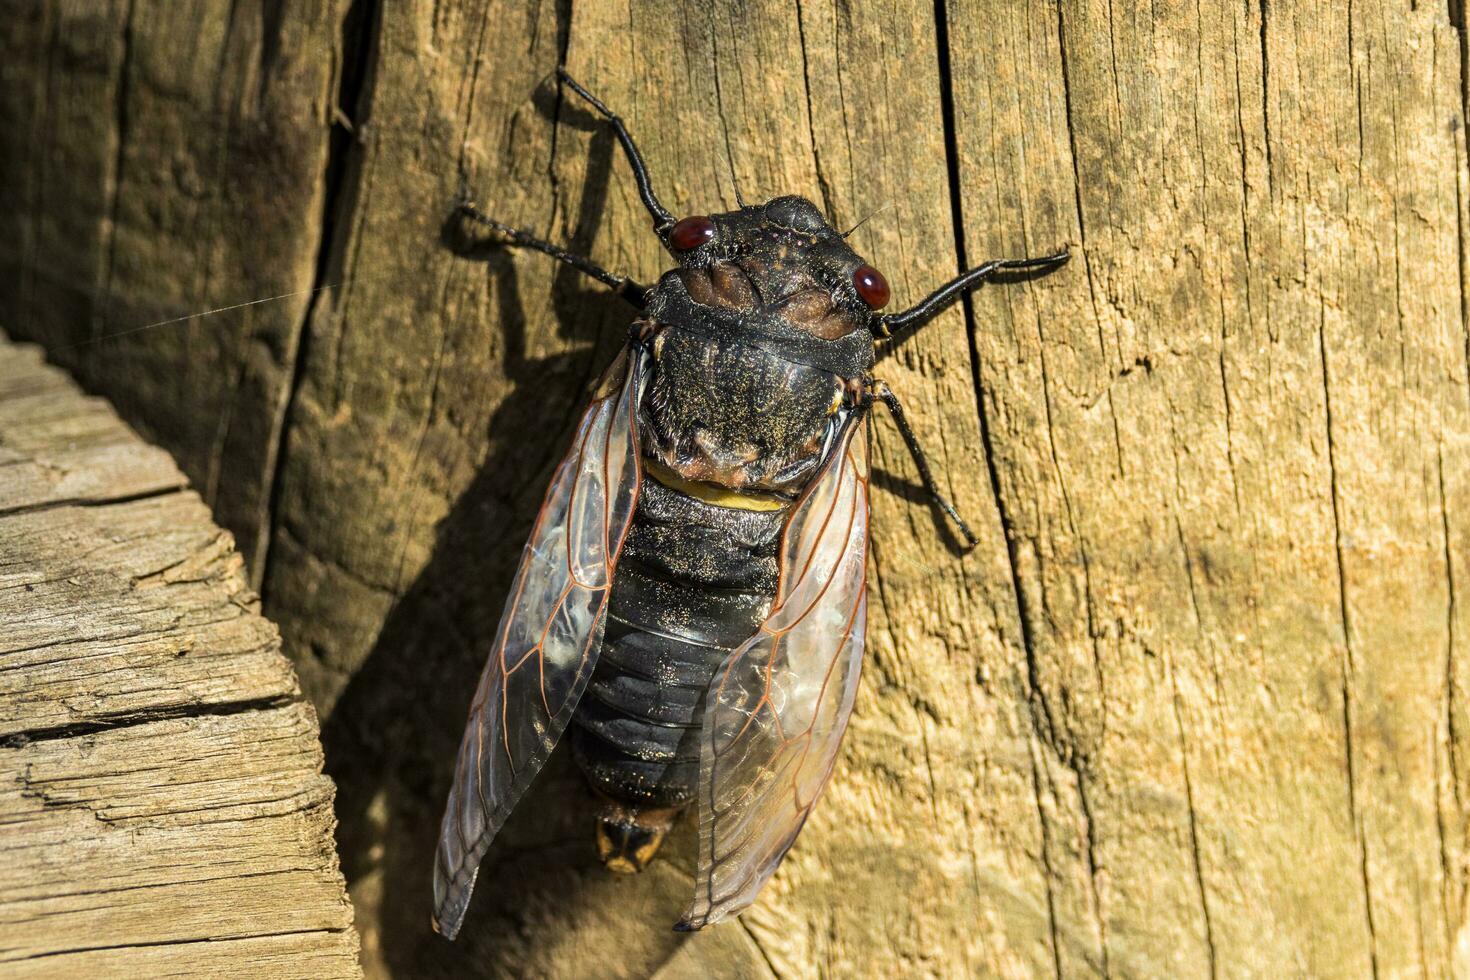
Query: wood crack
point(714, 39)
point(1462, 178)
point(1349, 662)
point(823, 184)
point(1452, 610)
point(121, 123)
point(759, 948)
point(179, 942)
point(1266, 93)
point(1038, 709)
point(359, 40)
point(106, 723)
point(102, 500)
point(1194, 835)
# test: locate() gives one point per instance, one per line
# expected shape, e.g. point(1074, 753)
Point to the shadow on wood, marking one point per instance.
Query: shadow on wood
point(543, 901)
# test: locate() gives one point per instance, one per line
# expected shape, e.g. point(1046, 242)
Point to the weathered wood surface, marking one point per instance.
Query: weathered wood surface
point(1195, 706)
point(162, 807)
point(164, 157)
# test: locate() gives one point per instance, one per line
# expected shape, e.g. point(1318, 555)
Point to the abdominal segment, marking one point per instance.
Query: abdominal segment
point(694, 581)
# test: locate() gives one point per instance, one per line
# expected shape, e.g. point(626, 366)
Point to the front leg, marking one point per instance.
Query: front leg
point(891, 325)
point(634, 292)
point(879, 391)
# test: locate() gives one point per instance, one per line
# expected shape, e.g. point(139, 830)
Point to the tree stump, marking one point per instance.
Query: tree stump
point(1195, 706)
point(161, 796)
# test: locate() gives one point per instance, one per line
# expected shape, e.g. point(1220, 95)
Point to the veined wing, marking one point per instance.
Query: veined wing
point(549, 638)
point(778, 706)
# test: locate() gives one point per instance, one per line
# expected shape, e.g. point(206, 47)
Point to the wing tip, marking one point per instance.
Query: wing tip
point(685, 925)
point(447, 919)
point(452, 900)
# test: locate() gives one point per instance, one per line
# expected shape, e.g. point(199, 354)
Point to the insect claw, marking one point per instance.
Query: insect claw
point(462, 195)
point(1059, 257)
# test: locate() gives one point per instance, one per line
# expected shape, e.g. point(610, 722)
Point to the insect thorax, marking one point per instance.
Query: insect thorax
point(757, 351)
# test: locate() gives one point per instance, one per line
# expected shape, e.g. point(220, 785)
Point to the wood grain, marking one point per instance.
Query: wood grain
point(161, 794)
point(1196, 704)
point(163, 158)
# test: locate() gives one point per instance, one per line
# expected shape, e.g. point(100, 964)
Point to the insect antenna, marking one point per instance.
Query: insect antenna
point(870, 215)
point(887, 397)
point(942, 298)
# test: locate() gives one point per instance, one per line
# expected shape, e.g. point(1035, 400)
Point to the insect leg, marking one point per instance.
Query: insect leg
point(930, 306)
point(887, 397)
point(662, 219)
point(631, 291)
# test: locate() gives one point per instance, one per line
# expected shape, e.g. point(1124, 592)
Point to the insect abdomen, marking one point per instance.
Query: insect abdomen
point(694, 581)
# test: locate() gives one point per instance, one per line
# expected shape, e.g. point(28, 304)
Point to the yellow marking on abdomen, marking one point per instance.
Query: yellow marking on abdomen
point(709, 492)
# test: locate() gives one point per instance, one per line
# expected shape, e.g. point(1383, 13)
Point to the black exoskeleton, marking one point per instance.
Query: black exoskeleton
point(761, 336)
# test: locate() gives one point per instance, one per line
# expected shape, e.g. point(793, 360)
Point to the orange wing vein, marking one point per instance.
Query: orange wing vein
point(548, 641)
point(777, 708)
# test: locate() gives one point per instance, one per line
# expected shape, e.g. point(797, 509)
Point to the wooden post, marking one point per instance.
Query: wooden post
point(1196, 705)
point(162, 808)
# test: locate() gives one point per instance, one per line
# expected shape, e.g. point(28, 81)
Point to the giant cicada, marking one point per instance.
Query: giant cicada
point(693, 595)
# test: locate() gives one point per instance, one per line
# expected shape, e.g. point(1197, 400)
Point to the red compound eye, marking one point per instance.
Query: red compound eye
point(872, 288)
point(691, 233)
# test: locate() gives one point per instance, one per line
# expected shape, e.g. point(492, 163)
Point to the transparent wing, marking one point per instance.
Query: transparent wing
point(549, 638)
point(778, 706)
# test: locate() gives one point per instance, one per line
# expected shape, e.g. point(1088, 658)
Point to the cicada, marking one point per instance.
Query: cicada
point(692, 599)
